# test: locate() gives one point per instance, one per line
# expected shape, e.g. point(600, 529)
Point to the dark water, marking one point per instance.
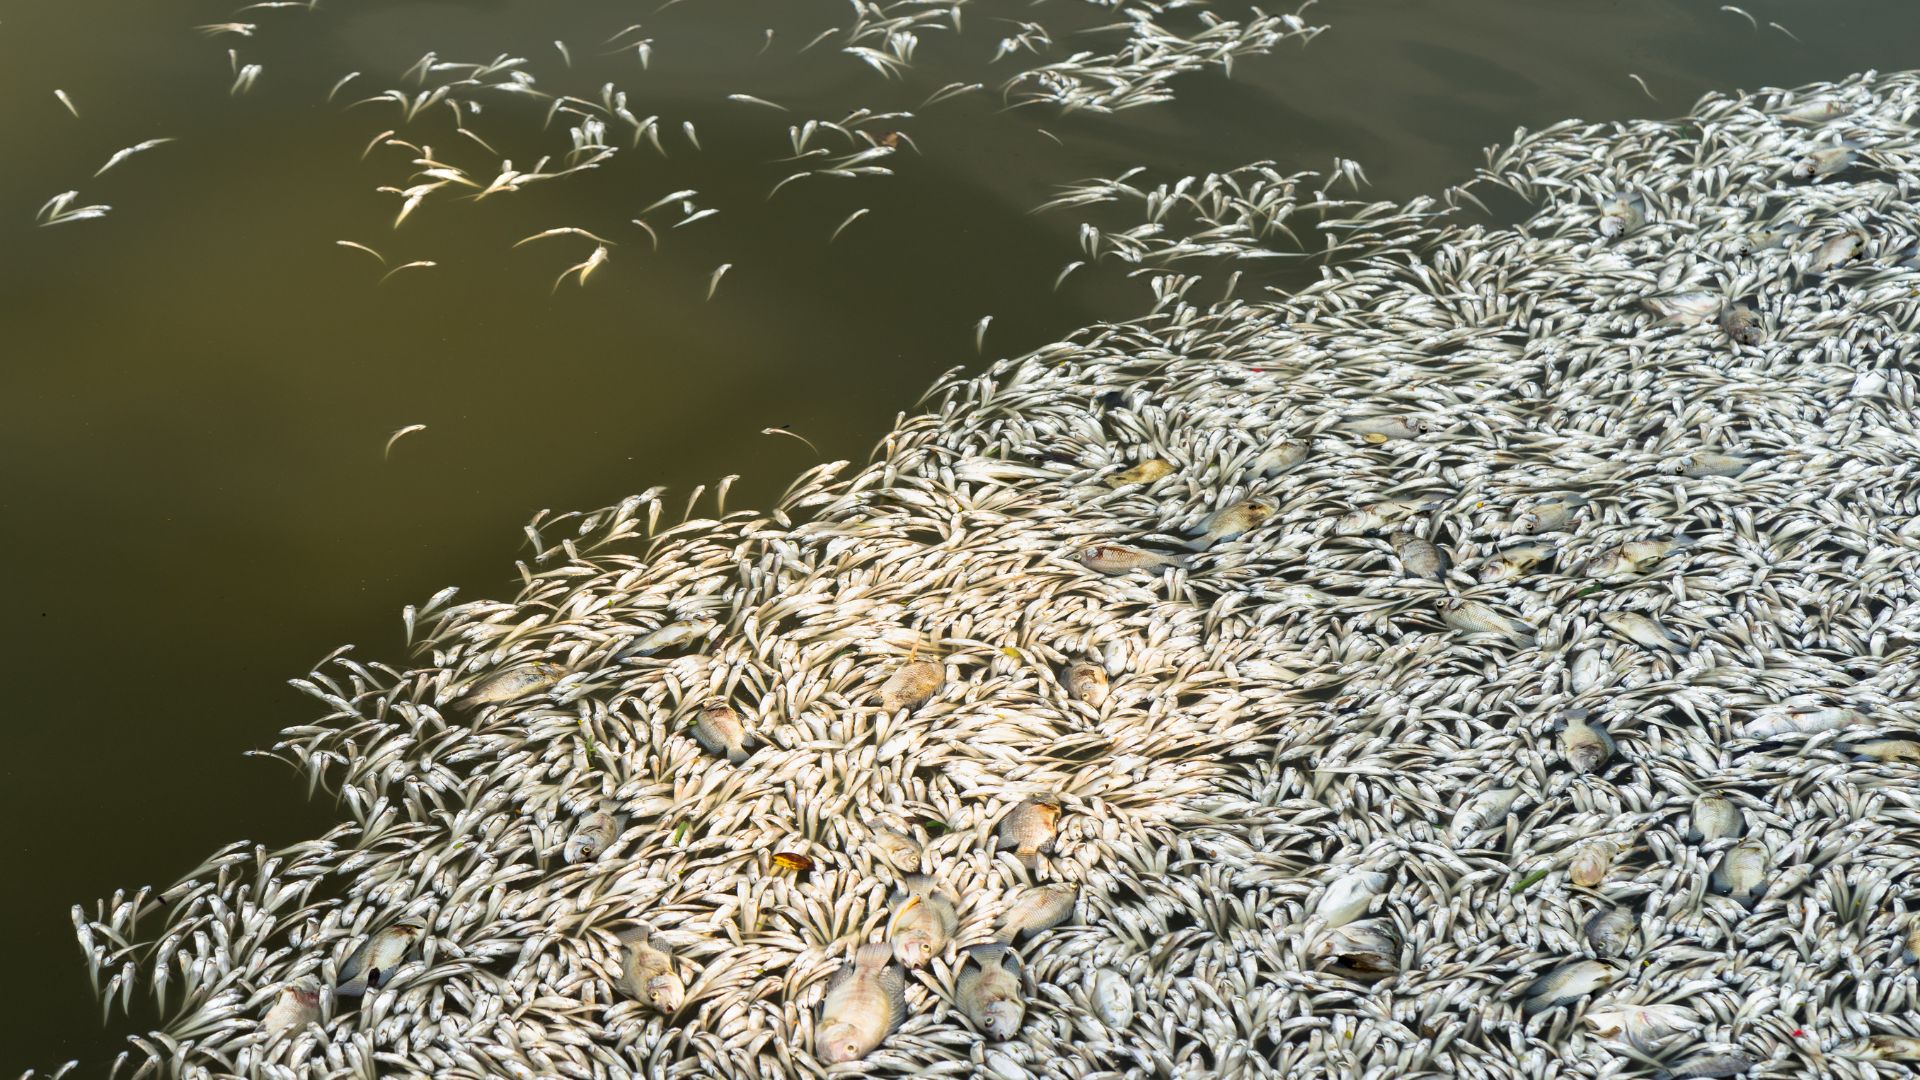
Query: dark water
point(195, 390)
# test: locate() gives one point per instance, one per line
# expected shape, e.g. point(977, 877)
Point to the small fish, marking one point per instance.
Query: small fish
point(1419, 557)
point(1634, 556)
point(719, 731)
point(1513, 562)
point(1566, 985)
point(1741, 873)
point(1584, 744)
point(1643, 631)
point(923, 921)
point(372, 964)
point(912, 684)
point(1390, 427)
point(1715, 818)
point(1144, 473)
point(1644, 1027)
point(672, 635)
point(1609, 929)
point(1548, 515)
point(1041, 907)
point(1685, 309)
point(647, 973)
point(896, 847)
point(1487, 809)
point(1620, 214)
point(1811, 112)
point(509, 685)
point(1712, 1065)
point(1824, 162)
point(1121, 559)
point(1349, 896)
point(1887, 1048)
point(1888, 750)
point(1112, 997)
point(1369, 947)
point(1281, 457)
point(1743, 325)
point(1029, 829)
point(1591, 863)
point(989, 990)
point(296, 1007)
point(1475, 617)
point(1087, 682)
point(1379, 514)
point(1834, 252)
point(1232, 523)
point(593, 835)
point(1762, 240)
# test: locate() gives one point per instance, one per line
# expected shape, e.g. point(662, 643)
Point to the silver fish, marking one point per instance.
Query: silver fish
point(866, 1000)
point(1762, 240)
point(1144, 473)
point(1548, 515)
point(1513, 562)
point(372, 964)
point(1475, 617)
point(1379, 514)
point(1232, 522)
point(989, 990)
point(672, 636)
point(912, 685)
point(1834, 252)
point(593, 834)
point(1609, 930)
point(1029, 829)
point(1824, 162)
point(1370, 947)
point(1565, 985)
point(1121, 559)
point(1388, 427)
point(1743, 325)
point(1087, 682)
point(1349, 896)
point(511, 685)
point(1587, 670)
point(647, 972)
point(1040, 907)
point(1635, 555)
point(1802, 721)
point(1620, 214)
point(1704, 463)
point(1715, 818)
point(923, 921)
point(1644, 1027)
point(1713, 1065)
point(719, 731)
point(1584, 744)
point(1643, 631)
point(1741, 873)
point(1112, 997)
point(1686, 308)
point(1281, 457)
point(295, 1008)
point(1484, 811)
point(1419, 557)
point(1811, 112)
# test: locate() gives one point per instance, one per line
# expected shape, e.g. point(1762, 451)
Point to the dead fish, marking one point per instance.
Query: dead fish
point(1704, 463)
point(1548, 515)
point(1644, 1027)
point(1609, 929)
point(1811, 112)
point(1824, 162)
point(1369, 947)
point(896, 847)
point(989, 990)
point(1686, 308)
point(1349, 896)
point(719, 731)
point(1887, 1048)
point(1715, 818)
point(1121, 559)
point(1232, 522)
point(647, 972)
point(1741, 873)
point(1419, 557)
point(1888, 750)
point(912, 685)
point(1712, 1065)
point(1587, 670)
point(1281, 457)
point(509, 685)
point(1475, 617)
point(866, 1000)
point(1041, 907)
point(1643, 631)
point(672, 636)
point(1743, 325)
point(1112, 997)
point(1087, 682)
point(1635, 555)
point(1802, 720)
point(593, 834)
point(295, 1008)
point(1388, 427)
point(1620, 214)
point(1565, 985)
point(1487, 809)
point(1379, 514)
point(1591, 863)
point(372, 964)
point(1762, 240)
point(923, 921)
point(1834, 252)
point(1144, 473)
point(1911, 949)
point(1513, 562)
point(1029, 829)
point(1584, 744)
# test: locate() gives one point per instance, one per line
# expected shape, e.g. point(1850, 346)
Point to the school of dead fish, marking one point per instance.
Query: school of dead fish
point(1489, 661)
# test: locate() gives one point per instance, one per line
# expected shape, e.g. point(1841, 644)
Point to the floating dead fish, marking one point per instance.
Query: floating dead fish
point(1231, 523)
point(866, 1000)
point(1419, 557)
point(990, 990)
point(719, 731)
point(896, 847)
point(1030, 828)
point(593, 834)
point(1609, 930)
point(1112, 997)
point(1370, 948)
point(372, 964)
point(1687, 308)
point(511, 685)
point(1585, 745)
point(923, 921)
point(672, 636)
point(1712, 1065)
point(1475, 617)
point(1566, 985)
point(1741, 873)
point(1349, 896)
point(1549, 515)
point(1644, 631)
point(295, 1008)
point(1886, 1048)
point(1282, 457)
point(1645, 1027)
point(1144, 473)
point(1715, 818)
point(1121, 559)
point(1591, 862)
point(647, 973)
point(1087, 682)
point(1514, 562)
point(1041, 907)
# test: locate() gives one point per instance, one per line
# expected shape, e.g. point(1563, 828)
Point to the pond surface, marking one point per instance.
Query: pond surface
point(198, 386)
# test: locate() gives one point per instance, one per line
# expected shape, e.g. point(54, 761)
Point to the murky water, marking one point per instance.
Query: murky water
point(197, 389)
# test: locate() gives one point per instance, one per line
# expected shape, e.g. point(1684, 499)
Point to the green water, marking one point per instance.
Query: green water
point(195, 391)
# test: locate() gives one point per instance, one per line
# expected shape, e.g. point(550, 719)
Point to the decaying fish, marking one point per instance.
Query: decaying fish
point(1704, 463)
point(1566, 984)
point(672, 636)
point(1715, 818)
point(990, 990)
point(1892, 749)
point(1484, 811)
point(1635, 556)
point(923, 921)
point(1587, 670)
point(1802, 720)
point(1824, 162)
point(912, 685)
point(647, 972)
point(1281, 457)
point(1834, 252)
point(896, 847)
point(1713, 1065)
point(1475, 617)
point(372, 964)
point(719, 731)
point(1910, 948)
point(1112, 997)
point(1349, 896)
point(1620, 214)
point(511, 685)
point(1686, 308)
point(1590, 864)
point(593, 833)
point(1741, 872)
point(1513, 562)
point(1370, 947)
point(1087, 681)
point(1886, 1048)
point(1419, 557)
point(1379, 514)
point(1121, 559)
point(1585, 745)
point(1232, 522)
point(1040, 907)
point(295, 1008)
point(1812, 112)
point(1144, 473)
point(1548, 515)
point(1644, 1027)
point(1743, 325)
point(1388, 427)
point(1030, 828)
point(1643, 631)
point(1609, 930)
point(866, 1000)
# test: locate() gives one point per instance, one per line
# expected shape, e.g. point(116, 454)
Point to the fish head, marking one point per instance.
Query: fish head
point(913, 948)
point(1001, 1018)
point(1527, 524)
point(665, 993)
point(1612, 224)
point(839, 1043)
point(1804, 168)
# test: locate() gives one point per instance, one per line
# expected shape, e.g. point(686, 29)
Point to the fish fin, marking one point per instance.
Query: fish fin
point(873, 955)
point(920, 884)
point(738, 757)
point(640, 934)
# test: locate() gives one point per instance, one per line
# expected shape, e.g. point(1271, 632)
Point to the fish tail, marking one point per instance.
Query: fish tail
point(738, 757)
